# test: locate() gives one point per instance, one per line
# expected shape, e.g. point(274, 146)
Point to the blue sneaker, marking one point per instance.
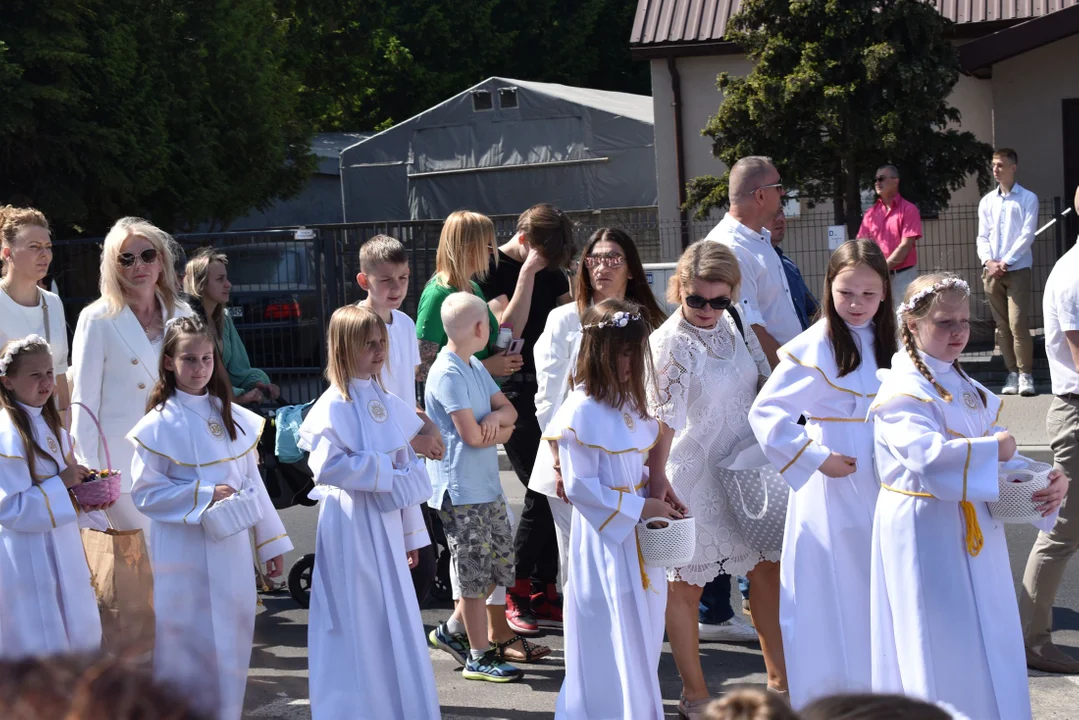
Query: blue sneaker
point(491, 669)
point(455, 644)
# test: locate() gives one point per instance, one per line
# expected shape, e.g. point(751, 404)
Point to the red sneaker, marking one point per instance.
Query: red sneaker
point(547, 607)
point(519, 611)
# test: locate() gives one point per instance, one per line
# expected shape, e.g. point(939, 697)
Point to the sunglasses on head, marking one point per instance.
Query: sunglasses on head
point(696, 302)
point(147, 256)
point(611, 260)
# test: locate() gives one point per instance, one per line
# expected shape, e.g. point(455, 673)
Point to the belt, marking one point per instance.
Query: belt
point(1069, 397)
point(899, 270)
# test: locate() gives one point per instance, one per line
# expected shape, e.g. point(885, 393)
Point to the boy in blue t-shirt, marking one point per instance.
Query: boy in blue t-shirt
point(473, 416)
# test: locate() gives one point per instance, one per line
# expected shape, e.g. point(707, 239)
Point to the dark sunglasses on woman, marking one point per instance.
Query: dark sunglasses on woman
point(148, 256)
point(696, 302)
point(611, 260)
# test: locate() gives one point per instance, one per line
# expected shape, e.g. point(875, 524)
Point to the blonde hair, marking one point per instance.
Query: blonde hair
point(350, 328)
point(461, 310)
point(197, 275)
point(706, 261)
point(920, 311)
point(12, 220)
point(113, 284)
point(464, 249)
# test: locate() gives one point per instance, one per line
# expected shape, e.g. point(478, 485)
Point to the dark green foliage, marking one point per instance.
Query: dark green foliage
point(838, 89)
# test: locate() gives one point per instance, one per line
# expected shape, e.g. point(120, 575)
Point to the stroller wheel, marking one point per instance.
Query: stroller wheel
point(441, 589)
point(299, 580)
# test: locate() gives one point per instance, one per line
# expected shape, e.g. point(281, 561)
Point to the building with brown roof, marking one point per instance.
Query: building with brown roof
point(1019, 87)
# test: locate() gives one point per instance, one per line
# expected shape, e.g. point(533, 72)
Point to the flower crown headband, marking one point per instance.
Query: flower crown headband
point(17, 347)
point(619, 320)
point(949, 283)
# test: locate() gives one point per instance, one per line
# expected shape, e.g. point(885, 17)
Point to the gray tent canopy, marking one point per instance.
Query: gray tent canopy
point(503, 146)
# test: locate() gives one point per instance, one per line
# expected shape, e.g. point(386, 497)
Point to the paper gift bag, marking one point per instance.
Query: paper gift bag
point(124, 584)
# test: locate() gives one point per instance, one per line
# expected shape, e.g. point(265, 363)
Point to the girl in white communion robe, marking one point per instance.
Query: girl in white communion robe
point(47, 605)
point(195, 475)
point(828, 374)
point(367, 653)
point(945, 621)
point(614, 605)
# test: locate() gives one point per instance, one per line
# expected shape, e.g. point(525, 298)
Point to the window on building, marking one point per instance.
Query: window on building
point(482, 100)
point(507, 98)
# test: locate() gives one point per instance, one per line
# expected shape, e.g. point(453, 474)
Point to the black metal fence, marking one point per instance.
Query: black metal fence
point(286, 282)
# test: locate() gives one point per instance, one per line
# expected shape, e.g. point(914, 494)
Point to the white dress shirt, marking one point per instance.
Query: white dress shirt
point(1006, 225)
point(1060, 308)
point(765, 296)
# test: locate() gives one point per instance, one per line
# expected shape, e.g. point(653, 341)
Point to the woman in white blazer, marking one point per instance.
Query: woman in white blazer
point(26, 309)
point(610, 268)
point(117, 351)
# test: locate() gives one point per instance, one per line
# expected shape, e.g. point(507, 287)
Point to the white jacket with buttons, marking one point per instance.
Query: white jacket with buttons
point(115, 367)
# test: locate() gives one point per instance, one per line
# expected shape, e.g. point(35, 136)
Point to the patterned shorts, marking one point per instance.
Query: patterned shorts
point(481, 545)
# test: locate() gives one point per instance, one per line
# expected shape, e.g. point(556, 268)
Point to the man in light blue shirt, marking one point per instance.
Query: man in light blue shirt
point(1007, 219)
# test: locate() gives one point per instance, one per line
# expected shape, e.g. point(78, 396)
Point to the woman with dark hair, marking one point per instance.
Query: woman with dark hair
point(524, 283)
point(610, 268)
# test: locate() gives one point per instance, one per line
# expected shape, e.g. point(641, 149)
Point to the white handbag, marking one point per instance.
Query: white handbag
point(747, 475)
point(236, 513)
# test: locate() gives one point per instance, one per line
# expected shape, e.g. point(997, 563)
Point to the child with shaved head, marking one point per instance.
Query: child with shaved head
point(474, 416)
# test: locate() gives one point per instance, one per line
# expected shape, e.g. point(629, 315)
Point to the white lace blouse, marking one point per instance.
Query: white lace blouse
point(706, 381)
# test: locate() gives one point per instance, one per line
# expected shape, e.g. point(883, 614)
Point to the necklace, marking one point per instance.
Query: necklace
point(150, 328)
point(212, 425)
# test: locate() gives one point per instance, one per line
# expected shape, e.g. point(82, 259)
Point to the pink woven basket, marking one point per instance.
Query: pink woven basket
point(106, 489)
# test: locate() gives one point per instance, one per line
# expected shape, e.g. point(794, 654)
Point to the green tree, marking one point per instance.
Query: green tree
point(178, 110)
point(839, 88)
point(368, 64)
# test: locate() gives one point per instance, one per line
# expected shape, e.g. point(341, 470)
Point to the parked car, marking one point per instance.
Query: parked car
point(275, 303)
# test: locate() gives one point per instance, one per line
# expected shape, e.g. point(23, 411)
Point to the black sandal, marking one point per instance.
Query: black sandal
point(533, 652)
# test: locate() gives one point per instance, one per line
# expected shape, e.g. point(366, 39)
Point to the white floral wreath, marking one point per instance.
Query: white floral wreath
point(619, 320)
point(948, 283)
point(17, 347)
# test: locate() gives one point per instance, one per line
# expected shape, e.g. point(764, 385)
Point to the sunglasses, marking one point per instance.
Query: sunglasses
point(717, 303)
point(612, 260)
point(882, 178)
point(777, 185)
point(148, 256)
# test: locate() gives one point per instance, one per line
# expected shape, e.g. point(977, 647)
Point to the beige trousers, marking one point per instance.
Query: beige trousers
point(1049, 557)
point(1009, 301)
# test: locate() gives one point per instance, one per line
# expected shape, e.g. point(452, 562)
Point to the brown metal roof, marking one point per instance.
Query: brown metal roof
point(667, 22)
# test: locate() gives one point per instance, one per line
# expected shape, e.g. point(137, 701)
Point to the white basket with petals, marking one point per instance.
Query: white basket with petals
point(1019, 479)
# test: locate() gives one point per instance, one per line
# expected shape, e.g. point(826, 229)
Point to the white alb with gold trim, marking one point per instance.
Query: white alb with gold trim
point(362, 594)
point(824, 597)
point(204, 590)
point(613, 605)
point(47, 605)
point(945, 622)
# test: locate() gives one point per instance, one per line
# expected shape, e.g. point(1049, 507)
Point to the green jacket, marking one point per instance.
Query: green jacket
point(242, 376)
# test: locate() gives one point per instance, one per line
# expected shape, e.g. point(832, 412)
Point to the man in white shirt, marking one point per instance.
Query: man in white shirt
point(756, 194)
point(1007, 218)
point(1052, 550)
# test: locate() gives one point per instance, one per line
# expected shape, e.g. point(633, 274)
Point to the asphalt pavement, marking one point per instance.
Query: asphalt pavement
point(277, 682)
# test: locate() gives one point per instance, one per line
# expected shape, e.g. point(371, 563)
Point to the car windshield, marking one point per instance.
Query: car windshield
point(267, 267)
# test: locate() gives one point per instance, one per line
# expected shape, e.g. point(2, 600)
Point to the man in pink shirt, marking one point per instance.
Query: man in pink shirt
point(894, 225)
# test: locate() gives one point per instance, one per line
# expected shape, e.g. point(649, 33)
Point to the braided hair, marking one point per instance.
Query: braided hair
point(919, 310)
